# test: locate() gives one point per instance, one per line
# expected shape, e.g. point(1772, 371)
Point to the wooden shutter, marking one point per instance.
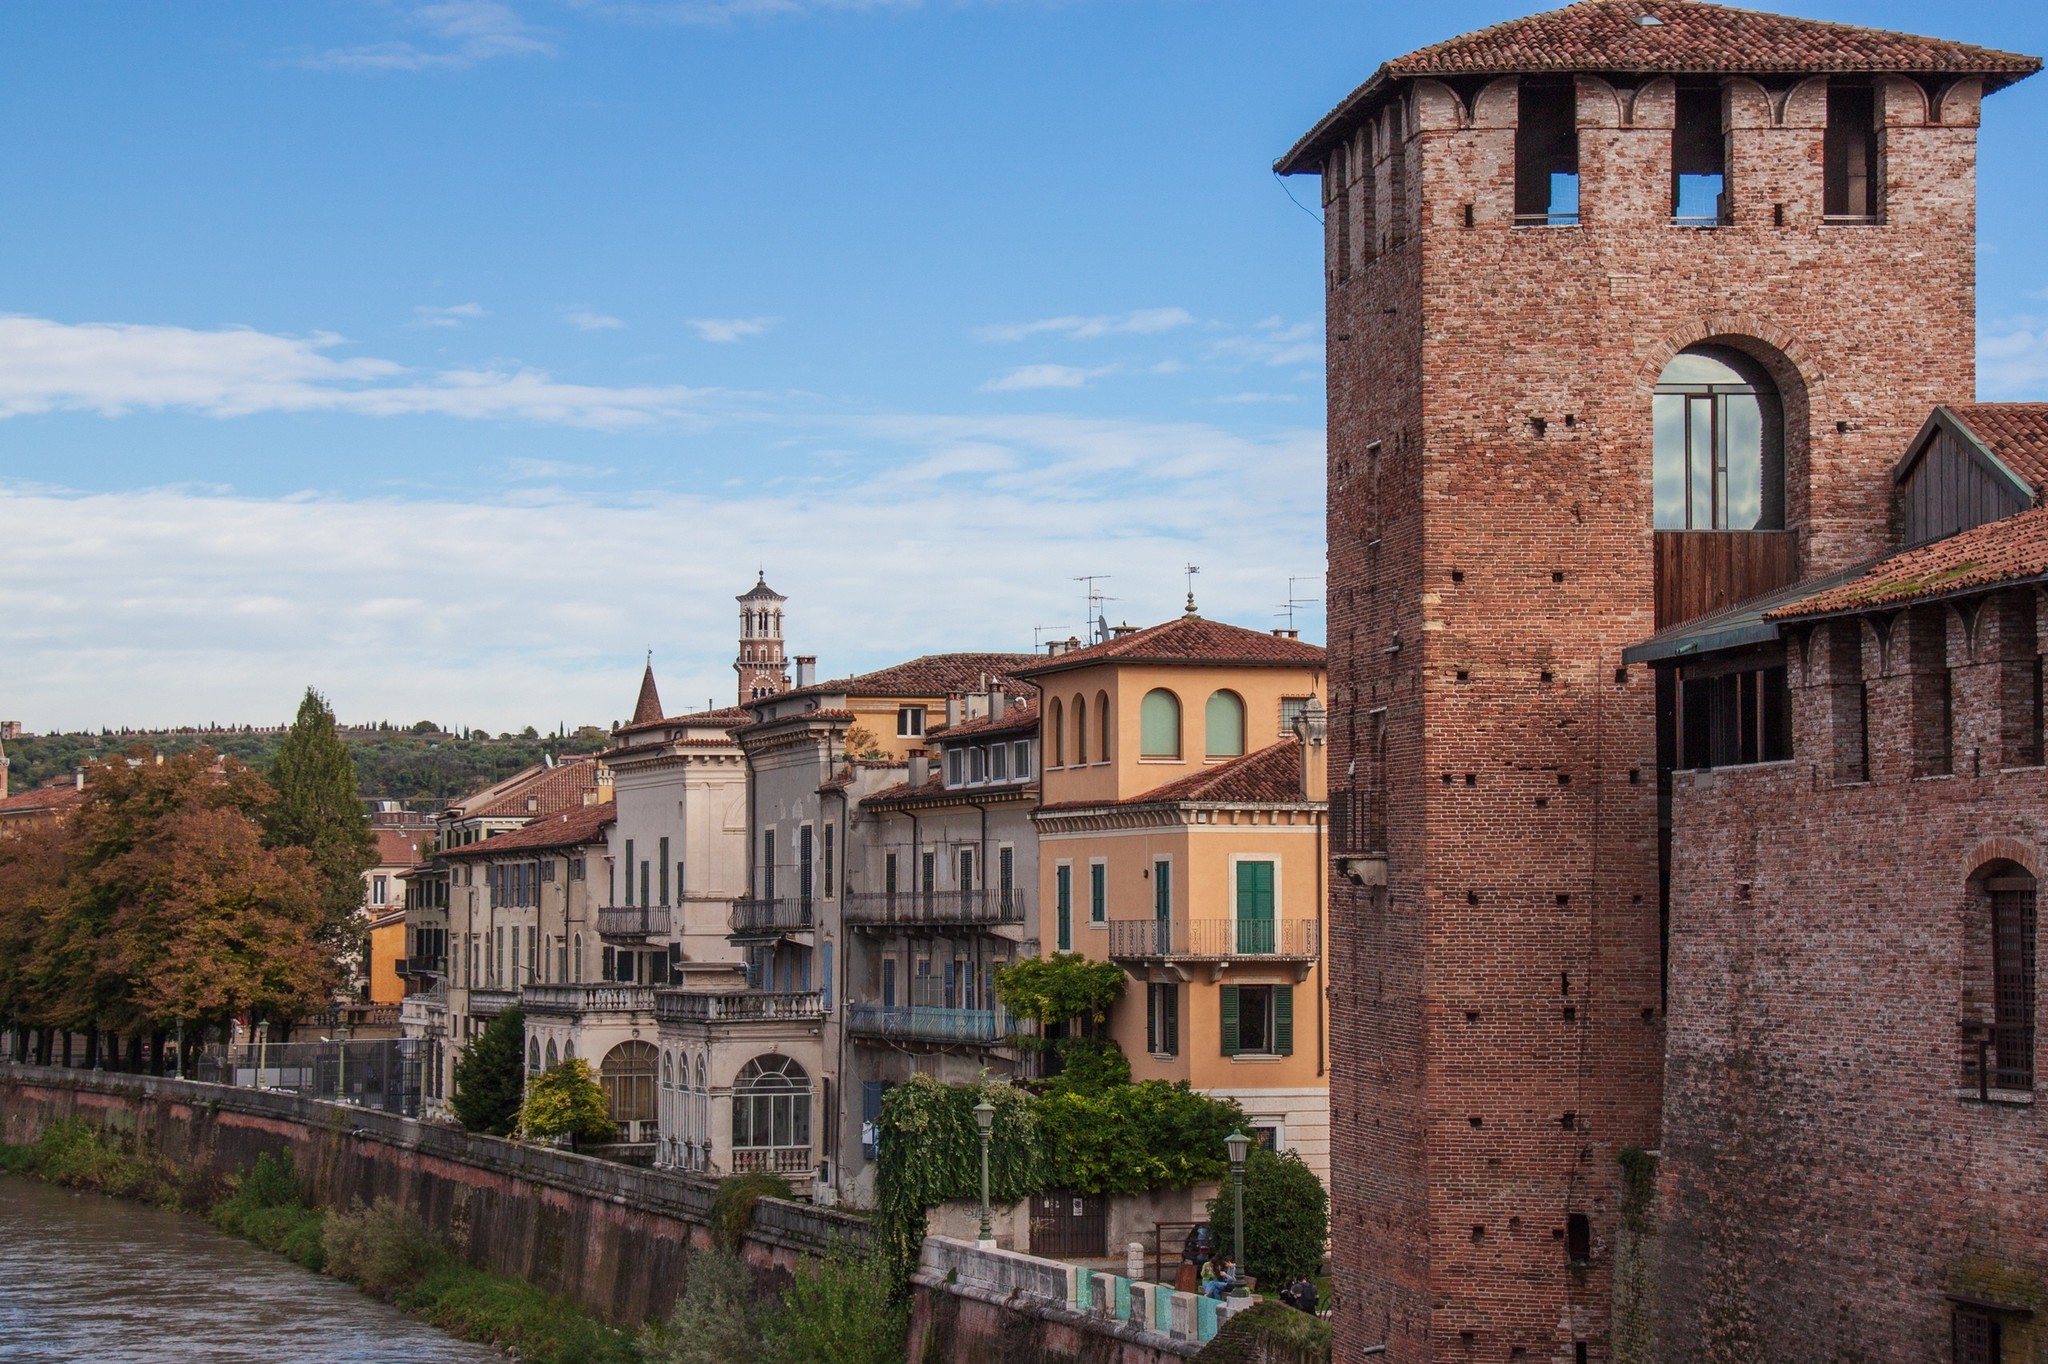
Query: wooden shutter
point(1063, 879)
point(1170, 996)
point(1255, 907)
point(1098, 893)
point(1152, 1019)
point(1283, 1020)
point(1228, 999)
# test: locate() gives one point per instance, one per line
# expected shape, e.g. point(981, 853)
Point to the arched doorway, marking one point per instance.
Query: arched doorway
point(627, 1076)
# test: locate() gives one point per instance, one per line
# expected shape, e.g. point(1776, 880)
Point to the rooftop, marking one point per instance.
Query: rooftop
point(538, 790)
point(726, 717)
point(1998, 553)
point(1015, 720)
point(2015, 434)
point(933, 675)
point(568, 829)
point(1271, 776)
point(1188, 639)
point(1662, 37)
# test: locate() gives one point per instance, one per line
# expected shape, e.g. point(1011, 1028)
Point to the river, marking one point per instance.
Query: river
point(85, 1278)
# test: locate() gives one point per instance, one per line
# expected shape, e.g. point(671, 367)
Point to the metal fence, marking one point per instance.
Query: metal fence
point(387, 1075)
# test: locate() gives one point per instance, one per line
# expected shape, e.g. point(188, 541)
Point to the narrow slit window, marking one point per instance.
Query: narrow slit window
point(1699, 159)
point(1547, 154)
point(1852, 190)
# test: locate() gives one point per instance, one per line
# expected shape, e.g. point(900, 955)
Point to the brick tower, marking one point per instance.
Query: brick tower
point(1525, 228)
point(762, 668)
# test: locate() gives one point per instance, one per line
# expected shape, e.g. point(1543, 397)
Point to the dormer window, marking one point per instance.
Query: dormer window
point(1547, 154)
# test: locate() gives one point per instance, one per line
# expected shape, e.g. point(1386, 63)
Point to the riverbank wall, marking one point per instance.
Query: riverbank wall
point(612, 1238)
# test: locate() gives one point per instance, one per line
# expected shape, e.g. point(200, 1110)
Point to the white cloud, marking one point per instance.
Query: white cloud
point(1025, 378)
point(111, 368)
point(1143, 322)
point(585, 320)
point(724, 330)
point(2012, 359)
point(425, 315)
point(523, 467)
point(175, 605)
point(460, 33)
point(1273, 342)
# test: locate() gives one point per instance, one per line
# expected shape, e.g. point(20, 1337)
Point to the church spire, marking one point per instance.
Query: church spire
point(648, 708)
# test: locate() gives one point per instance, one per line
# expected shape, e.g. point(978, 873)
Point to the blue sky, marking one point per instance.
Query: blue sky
point(449, 355)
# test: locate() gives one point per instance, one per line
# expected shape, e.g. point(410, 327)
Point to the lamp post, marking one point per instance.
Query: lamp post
point(1239, 1145)
point(262, 1050)
point(985, 1119)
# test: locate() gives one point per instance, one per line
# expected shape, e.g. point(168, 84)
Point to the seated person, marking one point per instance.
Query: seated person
point(1219, 1277)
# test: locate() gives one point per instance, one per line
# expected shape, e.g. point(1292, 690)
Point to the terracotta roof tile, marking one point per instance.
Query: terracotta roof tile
point(1685, 37)
point(1269, 776)
point(726, 717)
point(58, 795)
point(569, 829)
point(932, 675)
point(2009, 551)
point(1014, 720)
point(2015, 432)
point(398, 847)
point(648, 708)
point(551, 789)
point(1189, 639)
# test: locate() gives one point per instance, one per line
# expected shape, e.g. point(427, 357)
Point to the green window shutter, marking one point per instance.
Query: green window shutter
point(1063, 878)
point(1152, 1018)
point(1162, 890)
point(1228, 996)
point(1159, 725)
point(1098, 893)
point(1283, 1021)
point(1255, 907)
point(1170, 1026)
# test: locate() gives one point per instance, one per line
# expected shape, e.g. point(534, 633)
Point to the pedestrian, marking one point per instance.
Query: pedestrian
point(1300, 1295)
point(1217, 1281)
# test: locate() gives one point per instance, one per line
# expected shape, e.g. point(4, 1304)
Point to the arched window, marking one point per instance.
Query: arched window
point(1159, 725)
point(668, 1076)
point(1223, 726)
point(1720, 444)
point(2008, 894)
point(1054, 718)
point(533, 1055)
point(554, 1057)
point(627, 1076)
point(1081, 731)
point(569, 1050)
point(1102, 724)
point(771, 1116)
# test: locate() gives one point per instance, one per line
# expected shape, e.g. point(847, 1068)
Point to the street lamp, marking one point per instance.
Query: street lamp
point(985, 1119)
point(1239, 1145)
point(262, 1050)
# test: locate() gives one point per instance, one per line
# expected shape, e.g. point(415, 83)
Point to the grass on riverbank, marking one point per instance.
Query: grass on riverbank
point(384, 1250)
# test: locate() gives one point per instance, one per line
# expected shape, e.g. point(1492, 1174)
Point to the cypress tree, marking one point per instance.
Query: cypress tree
point(318, 809)
point(490, 1076)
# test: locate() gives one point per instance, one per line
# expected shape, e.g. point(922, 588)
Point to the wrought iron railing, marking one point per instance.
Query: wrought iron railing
point(588, 999)
point(633, 921)
point(772, 916)
point(936, 908)
point(982, 1026)
point(1216, 939)
point(1998, 1057)
point(739, 1006)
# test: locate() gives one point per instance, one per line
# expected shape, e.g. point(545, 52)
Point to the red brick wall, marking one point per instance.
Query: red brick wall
point(1823, 1186)
point(1523, 871)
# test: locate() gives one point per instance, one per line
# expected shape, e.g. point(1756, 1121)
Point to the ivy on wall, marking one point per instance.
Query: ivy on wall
point(930, 1153)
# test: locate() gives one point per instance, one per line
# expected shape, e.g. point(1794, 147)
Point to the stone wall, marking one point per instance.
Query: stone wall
point(613, 1238)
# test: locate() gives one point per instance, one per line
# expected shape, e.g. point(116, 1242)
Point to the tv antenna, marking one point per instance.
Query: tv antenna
point(1094, 621)
point(1287, 608)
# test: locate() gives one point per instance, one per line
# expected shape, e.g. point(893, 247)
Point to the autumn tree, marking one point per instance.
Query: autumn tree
point(566, 1101)
point(317, 809)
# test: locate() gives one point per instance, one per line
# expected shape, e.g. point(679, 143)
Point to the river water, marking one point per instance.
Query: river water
point(85, 1278)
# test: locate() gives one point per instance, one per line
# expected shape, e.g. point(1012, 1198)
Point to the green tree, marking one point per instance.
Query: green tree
point(1286, 1218)
point(317, 809)
point(566, 1101)
point(715, 1320)
point(839, 1309)
point(1064, 987)
point(488, 1077)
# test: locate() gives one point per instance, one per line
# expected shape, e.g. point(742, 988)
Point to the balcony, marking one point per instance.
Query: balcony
point(633, 922)
point(422, 968)
point(781, 1160)
point(740, 1006)
point(588, 999)
point(491, 1003)
point(423, 1015)
point(771, 918)
point(902, 1022)
point(935, 909)
point(1216, 941)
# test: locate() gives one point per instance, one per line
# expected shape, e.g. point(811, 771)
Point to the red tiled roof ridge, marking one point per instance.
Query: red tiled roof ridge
point(926, 675)
point(2011, 550)
point(2016, 434)
point(1189, 639)
point(1016, 717)
point(1686, 37)
point(1270, 776)
point(552, 789)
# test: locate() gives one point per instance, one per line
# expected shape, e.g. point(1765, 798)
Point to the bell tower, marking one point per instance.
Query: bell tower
point(763, 669)
point(1631, 306)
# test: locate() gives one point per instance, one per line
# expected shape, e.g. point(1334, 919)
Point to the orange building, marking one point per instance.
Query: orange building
point(1182, 836)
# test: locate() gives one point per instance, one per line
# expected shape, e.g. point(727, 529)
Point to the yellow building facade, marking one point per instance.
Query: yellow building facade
point(1182, 835)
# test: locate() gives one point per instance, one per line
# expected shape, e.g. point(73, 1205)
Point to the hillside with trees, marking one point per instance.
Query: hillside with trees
point(423, 765)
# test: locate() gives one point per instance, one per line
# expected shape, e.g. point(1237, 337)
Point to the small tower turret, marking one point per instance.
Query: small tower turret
point(763, 669)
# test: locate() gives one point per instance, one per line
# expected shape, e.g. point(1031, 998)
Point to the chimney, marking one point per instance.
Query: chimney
point(1287, 634)
point(920, 767)
point(806, 669)
point(952, 711)
point(1120, 631)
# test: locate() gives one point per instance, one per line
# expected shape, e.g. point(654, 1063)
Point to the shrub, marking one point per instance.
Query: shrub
point(1088, 1066)
point(74, 1153)
point(732, 1206)
point(839, 1309)
point(715, 1320)
point(1269, 1333)
point(266, 1207)
point(566, 1101)
point(381, 1249)
point(1286, 1218)
point(530, 1323)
